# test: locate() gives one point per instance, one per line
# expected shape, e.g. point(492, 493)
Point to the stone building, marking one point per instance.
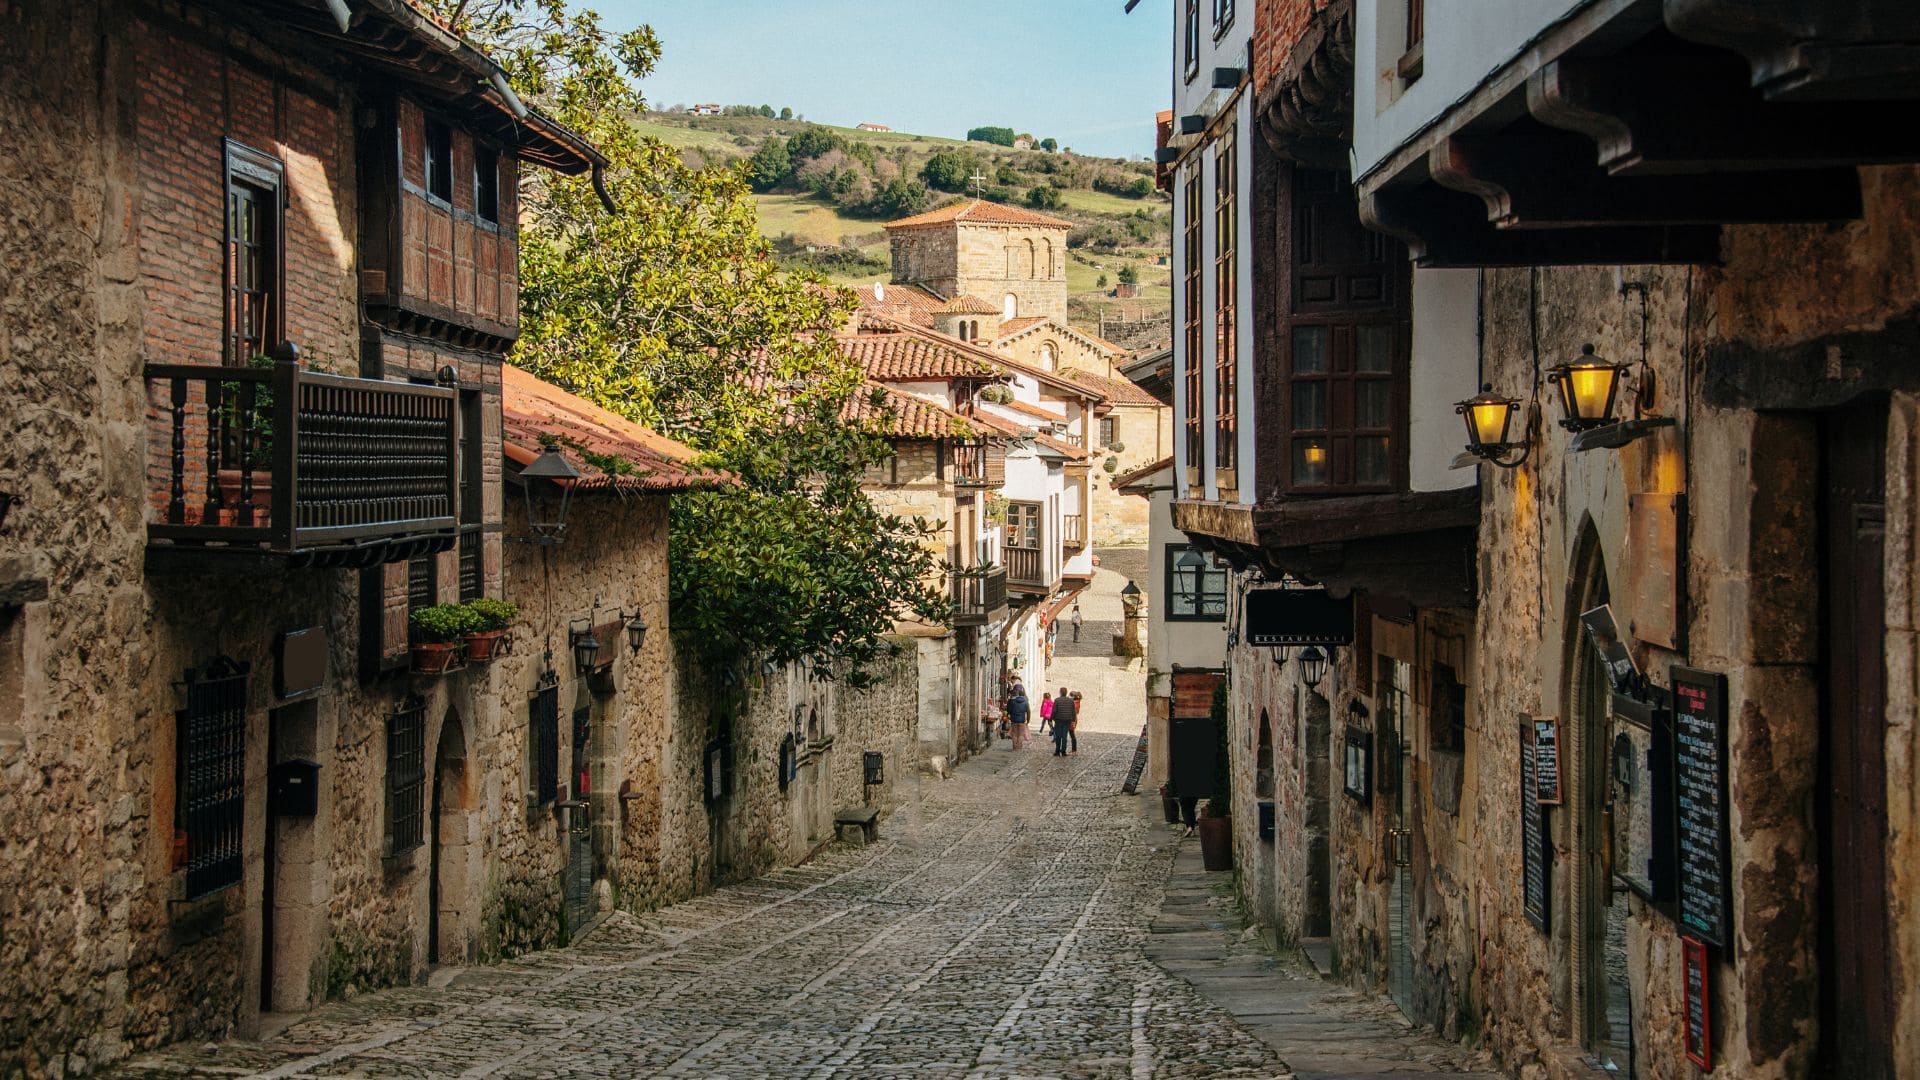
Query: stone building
point(1612, 761)
point(1006, 255)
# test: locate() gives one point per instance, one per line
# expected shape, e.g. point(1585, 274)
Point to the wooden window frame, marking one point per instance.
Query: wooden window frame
point(1200, 600)
point(1412, 60)
point(486, 183)
point(472, 543)
point(1226, 351)
point(1013, 526)
point(265, 178)
point(1222, 18)
point(1109, 427)
point(1193, 317)
point(1191, 40)
point(436, 145)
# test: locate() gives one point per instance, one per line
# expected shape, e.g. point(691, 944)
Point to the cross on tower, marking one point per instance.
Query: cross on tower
point(977, 181)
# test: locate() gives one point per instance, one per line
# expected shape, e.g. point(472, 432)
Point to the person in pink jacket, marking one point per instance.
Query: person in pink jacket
point(1046, 712)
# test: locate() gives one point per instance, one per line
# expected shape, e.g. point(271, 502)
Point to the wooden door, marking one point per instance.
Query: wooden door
point(1856, 950)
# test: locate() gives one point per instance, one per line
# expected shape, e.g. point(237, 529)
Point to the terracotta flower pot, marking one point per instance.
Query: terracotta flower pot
point(486, 645)
point(1216, 842)
point(434, 658)
point(229, 481)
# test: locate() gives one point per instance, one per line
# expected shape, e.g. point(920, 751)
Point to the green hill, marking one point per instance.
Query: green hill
point(827, 207)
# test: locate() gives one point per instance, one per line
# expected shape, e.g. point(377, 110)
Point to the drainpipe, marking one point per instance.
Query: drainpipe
point(342, 15)
point(514, 105)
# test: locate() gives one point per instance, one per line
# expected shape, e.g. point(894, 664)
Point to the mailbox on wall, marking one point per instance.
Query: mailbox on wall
point(293, 788)
point(874, 765)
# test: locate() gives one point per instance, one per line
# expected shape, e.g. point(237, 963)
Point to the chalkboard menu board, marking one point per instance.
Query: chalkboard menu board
point(1700, 802)
point(1535, 856)
point(1132, 783)
point(1546, 760)
point(1699, 1014)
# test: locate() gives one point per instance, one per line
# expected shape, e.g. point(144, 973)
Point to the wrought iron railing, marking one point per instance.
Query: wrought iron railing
point(978, 464)
point(978, 592)
point(1073, 530)
point(295, 462)
point(1027, 566)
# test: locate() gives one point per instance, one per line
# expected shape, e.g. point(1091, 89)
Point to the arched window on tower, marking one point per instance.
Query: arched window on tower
point(1046, 268)
point(1009, 306)
point(1049, 359)
point(1031, 261)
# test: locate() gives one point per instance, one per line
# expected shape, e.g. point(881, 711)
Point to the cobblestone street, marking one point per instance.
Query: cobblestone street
point(1000, 928)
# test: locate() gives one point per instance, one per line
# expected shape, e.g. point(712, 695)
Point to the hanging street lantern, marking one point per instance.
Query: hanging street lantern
point(636, 631)
point(1313, 666)
point(547, 485)
point(1186, 572)
point(1587, 389)
point(1280, 657)
point(586, 649)
point(1489, 420)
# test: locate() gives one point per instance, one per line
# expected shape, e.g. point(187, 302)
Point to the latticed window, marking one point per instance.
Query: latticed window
point(421, 587)
point(1190, 315)
point(543, 739)
point(1195, 597)
point(406, 775)
point(210, 777)
point(1226, 270)
point(472, 566)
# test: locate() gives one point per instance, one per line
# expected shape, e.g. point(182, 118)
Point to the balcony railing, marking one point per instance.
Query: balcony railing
point(1027, 567)
point(979, 464)
point(1073, 530)
point(326, 469)
point(978, 595)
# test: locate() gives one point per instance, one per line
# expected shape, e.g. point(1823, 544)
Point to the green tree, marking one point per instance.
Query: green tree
point(999, 136)
point(1049, 144)
point(770, 166)
point(814, 141)
point(949, 170)
point(766, 111)
point(1102, 283)
point(1129, 275)
point(1045, 197)
point(898, 198)
point(670, 311)
point(786, 113)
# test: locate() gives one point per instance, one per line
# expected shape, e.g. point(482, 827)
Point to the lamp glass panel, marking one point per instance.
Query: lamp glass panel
point(1589, 390)
point(1309, 461)
point(1487, 422)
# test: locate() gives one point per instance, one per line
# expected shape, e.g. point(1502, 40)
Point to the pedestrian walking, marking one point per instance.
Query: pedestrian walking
point(1063, 719)
point(1046, 711)
point(1017, 707)
point(1075, 618)
point(1073, 725)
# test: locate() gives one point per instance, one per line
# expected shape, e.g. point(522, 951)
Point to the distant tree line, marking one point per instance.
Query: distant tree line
point(858, 178)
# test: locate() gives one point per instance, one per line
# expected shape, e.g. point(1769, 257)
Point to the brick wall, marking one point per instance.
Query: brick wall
point(1277, 27)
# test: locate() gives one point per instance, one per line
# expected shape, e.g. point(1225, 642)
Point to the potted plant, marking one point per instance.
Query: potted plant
point(255, 457)
point(1216, 822)
point(439, 634)
point(492, 618)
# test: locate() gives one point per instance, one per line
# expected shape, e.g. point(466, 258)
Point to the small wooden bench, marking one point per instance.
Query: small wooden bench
point(867, 817)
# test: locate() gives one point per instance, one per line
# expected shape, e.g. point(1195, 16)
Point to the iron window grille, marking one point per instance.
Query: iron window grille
point(1203, 601)
point(211, 746)
point(422, 589)
point(406, 775)
point(543, 737)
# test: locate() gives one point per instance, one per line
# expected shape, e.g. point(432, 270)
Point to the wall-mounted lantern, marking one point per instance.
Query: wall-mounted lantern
point(586, 645)
point(1489, 420)
point(1313, 665)
point(1588, 387)
point(1280, 657)
point(636, 631)
point(547, 485)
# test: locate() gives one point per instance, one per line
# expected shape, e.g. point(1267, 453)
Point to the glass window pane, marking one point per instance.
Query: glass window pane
point(1309, 404)
point(1370, 460)
point(1372, 403)
point(1310, 349)
point(1310, 461)
point(1373, 348)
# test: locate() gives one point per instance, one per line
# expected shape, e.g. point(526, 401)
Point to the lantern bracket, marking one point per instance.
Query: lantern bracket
point(1615, 436)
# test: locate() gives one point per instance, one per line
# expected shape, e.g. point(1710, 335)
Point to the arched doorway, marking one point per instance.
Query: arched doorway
point(1597, 931)
point(448, 880)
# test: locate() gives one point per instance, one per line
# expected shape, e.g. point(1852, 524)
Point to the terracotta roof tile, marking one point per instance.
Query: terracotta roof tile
point(910, 357)
point(981, 212)
point(1014, 326)
point(1034, 411)
point(1116, 391)
point(969, 305)
point(907, 303)
point(533, 411)
point(1134, 476)
point(887, 411)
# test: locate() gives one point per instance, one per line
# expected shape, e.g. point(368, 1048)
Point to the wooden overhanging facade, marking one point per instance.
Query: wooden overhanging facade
point(1633, 129)
point(1332, 311)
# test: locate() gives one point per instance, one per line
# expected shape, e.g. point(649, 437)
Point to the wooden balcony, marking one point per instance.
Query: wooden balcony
point(979, 595)
point(979, 465)
point(1027, 570)
point(1073, 531)
point(321, 470)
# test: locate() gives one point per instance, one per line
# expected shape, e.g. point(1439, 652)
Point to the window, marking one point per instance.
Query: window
point(1191, 39)
point(1226, 284)
point(440, 161)
point(210, 776)
point(486, 183)
point(1107, 429)
point(472, 559)
point(423, 590)
point(1222, 16)
point(543, 741)
point(406, 775)
point(1049, 358)
point(1392, 690)
point(1023, 525)
point(255, 210)
point(1188, 600)
point(1344, 350)
point(1190, 318)
point(1447, 723)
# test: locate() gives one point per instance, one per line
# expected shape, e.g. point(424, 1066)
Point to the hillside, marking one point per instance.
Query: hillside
point(824, 193)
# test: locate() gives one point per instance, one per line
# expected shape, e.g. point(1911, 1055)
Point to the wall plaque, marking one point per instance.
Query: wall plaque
point(1699, 1009)
point(1535, 845)
point(1700, 803)
point(1546, 760)
point(1359, 764)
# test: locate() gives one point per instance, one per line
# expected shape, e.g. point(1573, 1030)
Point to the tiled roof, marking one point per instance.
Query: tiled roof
point(1054, 442)
point(1014, 326)
point(907, 303)
point(1134, 476)
point(901, 357)
point(1034, 411)
point(981, 212)
point(1116, 391)
point(969, 305)
point(592, 439)
point(886, 411)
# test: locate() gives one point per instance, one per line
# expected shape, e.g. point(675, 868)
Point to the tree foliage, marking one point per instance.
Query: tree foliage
point(1045, 197)
point(999, 136)
point(1049, 144)
point(949, 170)
point(671, 312)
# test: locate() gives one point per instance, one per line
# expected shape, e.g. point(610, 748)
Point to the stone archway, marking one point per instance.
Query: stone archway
point(452, 903)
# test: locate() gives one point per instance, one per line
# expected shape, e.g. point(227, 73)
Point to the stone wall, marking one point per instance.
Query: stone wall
point(987, 261)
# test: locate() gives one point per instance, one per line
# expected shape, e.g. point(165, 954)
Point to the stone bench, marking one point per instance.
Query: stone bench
point(866, 817)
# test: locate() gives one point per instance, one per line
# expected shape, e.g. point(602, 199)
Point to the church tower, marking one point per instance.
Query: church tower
point(1013, 258)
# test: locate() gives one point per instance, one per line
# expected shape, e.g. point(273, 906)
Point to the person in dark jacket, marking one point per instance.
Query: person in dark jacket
point(1064, 711)
point(1017, 709)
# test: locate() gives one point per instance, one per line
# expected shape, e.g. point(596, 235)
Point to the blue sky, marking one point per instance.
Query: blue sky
point(1077, 70)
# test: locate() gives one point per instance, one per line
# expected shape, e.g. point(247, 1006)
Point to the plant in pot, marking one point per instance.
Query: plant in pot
point(1216, 822)
point(247, 440)
point(494, 618)
point(439, 636)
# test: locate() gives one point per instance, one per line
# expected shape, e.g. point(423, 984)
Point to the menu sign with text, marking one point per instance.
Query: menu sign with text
point(1546, 760)
point(1533, 835)
point(1700, 803)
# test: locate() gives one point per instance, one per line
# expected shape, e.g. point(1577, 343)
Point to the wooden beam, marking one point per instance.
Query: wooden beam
point(1297, 522)
point(1812, 50)
point(1670, 112)
point(1428, 570)
point(1547, 179)
point(1444, 229)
